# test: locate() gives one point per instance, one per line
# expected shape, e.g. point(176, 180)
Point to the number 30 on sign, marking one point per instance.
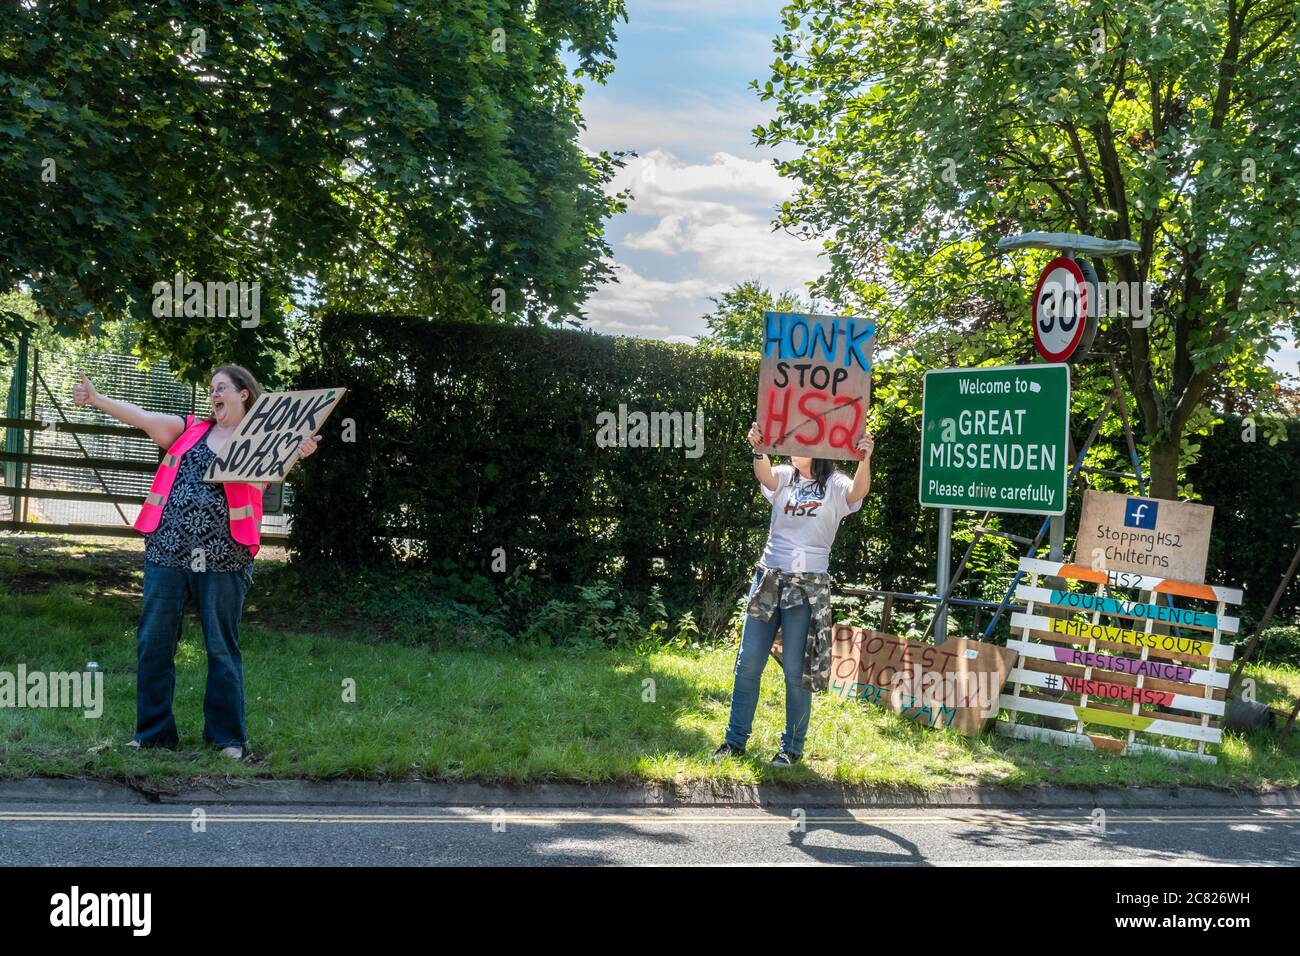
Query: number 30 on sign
point(1062, 300)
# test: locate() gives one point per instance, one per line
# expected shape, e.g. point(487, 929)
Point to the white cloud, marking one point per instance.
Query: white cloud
point(720, 213)
point(661, 182)
point(655, 308)
point(697, 124)
point(712, 223)
point(667, 237)
point(1287, 358)
point(703, 195)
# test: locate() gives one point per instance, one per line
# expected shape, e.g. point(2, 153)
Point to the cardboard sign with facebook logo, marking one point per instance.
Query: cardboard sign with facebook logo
point(1166, 539)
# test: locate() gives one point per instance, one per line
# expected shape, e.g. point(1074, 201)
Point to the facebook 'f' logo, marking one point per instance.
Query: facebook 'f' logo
point(1140, 513)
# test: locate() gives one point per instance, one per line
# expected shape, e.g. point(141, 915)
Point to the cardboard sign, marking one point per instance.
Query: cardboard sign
point(1166, 539)
point(265, 445)
point(814, 385)
point(955, 684)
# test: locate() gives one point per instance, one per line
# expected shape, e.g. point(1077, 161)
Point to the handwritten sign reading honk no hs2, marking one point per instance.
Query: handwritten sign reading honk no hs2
point(265, 445)
point(814, 384)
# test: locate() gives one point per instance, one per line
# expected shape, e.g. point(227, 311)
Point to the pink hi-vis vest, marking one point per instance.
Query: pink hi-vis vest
point(244, 500)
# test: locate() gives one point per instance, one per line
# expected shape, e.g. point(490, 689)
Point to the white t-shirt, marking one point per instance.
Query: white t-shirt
point(803, 524)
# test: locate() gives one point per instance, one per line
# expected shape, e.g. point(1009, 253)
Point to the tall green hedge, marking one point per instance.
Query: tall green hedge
point(1255, 490)
point(471, 438)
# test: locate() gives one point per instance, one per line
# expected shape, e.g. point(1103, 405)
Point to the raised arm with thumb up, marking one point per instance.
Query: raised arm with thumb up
point(163, 429)
point(83, 393)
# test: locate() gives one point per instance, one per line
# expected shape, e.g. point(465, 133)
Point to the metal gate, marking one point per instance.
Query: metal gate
point(70, 469)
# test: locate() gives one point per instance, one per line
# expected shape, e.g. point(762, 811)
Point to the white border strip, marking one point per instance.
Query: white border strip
point(1066, 739)
point(1163, 728)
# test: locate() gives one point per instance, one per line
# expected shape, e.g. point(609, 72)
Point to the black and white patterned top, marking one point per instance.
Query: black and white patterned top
point(196, 515)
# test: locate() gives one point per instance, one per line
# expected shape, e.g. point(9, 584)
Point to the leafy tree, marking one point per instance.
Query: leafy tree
point(736, 321)
point(928, 130)
point(418, 155)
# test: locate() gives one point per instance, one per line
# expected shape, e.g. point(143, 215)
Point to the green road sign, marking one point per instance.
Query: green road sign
point(996, 439)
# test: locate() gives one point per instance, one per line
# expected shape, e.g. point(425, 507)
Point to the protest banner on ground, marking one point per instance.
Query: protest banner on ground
point(814, 384)
point(265, 445)
point(955, 684)
point(1168, 539)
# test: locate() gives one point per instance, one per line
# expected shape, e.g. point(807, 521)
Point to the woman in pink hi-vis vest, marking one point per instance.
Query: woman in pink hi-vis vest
point(200, 540)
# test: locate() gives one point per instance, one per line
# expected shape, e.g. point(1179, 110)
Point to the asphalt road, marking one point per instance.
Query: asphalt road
point(117, 835)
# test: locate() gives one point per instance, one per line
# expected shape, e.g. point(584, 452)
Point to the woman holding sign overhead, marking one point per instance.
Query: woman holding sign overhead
point(200, 542)
point(791, 590)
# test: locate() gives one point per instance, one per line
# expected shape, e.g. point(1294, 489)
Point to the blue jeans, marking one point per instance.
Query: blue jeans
point(755, 647)
point(220, 599)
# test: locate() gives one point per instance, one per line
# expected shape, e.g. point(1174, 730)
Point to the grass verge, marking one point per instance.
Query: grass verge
point(496, 715)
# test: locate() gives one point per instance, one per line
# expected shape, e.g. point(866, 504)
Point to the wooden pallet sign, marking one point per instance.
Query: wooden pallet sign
point(1113, 656)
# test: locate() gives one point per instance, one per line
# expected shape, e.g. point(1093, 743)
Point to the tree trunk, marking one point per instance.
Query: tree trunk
point(1165, 455)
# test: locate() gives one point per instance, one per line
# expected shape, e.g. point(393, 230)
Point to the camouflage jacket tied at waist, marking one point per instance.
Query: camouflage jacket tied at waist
point(794, 588)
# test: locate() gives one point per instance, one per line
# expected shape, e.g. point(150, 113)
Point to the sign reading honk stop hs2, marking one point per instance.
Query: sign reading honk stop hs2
point(814, 384)
point(265, 445)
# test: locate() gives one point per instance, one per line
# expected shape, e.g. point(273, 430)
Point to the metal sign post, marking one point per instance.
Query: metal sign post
point(941, 574)
point(1056, 539)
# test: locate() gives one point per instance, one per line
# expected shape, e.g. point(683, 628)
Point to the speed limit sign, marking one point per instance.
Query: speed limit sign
point(1063, 307)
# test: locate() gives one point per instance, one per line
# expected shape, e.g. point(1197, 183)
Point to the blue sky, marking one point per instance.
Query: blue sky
point(704, 194)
